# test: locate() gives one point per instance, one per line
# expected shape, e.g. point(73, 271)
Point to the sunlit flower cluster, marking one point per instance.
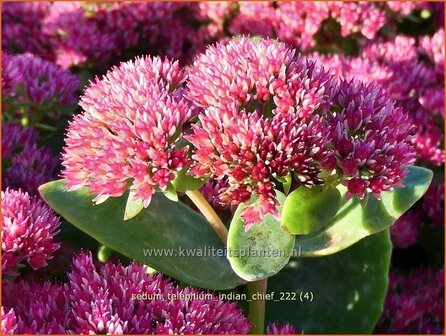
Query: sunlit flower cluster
point(257, 123)
point(128, 134)
point(239, 101)
point(269, 113)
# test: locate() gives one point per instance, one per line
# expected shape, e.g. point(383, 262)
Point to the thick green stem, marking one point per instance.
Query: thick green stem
point(256, 309)
point(209, 213)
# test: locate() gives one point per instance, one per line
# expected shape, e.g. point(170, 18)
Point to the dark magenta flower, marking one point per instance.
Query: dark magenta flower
point(42, 90)
point(414, 303)
point(22, 28)
point(38, 308)
point(26, 166)
point(28, 230)
point(406, 230)
point(280, 329)
point(371, 139)
point(104, 299)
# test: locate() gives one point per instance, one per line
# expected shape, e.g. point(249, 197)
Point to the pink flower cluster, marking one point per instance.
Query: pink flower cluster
point(28, 230)
point(22, 28)
point(25, 164)
point(410, 307)
point(239, 85)
point(128, 134)
point(269, 113)
point(371, 139)
point(298, 22)
point(280, 329)
point(103, 34)
point(100, 299)
point(36, 88)
point(416, 86)
point(77, 33)
point(406, 230)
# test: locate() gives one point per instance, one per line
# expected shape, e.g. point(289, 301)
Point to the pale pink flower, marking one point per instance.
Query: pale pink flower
point(129, 130)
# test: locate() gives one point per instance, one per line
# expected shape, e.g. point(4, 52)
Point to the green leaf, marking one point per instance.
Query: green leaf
point(182, 237)
point(354, 222)
point(171, 192)
point(341, 294)
point(261, 251)
point(184, 182)
point(286, 182)
point(307, 210)
point(133, 206)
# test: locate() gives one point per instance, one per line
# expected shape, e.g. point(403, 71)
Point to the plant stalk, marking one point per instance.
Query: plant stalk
point(256, 288)
point(209, 213)
point(256, 308)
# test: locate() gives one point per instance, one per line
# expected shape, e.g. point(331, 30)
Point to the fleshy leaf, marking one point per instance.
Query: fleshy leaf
point(263, 250)
point(132, 207)
point(167, 236)
point(307, 210)
point(337, 294)
point(353, 222)
point(171, 192)
point(184, 182)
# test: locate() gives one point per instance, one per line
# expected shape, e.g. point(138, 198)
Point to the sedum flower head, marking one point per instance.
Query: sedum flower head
point(127, 135)
point(28, 230)
point(247, 71)
point(269, 114)
point(258, 123)
point(43, 89)
point(280, 329)
point(406, 230)
point(26, 166)
point(38, 308)
point(371, 139)
point(250, 151)
point(414, 303)
point(102, 299)
point(9, 322)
